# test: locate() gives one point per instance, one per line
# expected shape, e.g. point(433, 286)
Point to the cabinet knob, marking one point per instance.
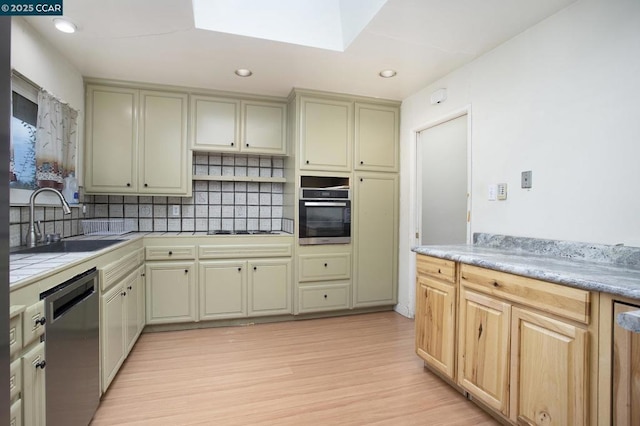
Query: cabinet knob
point(325, 265)
point(255, 268)
point(124, 293)
point(170, 253)
point(325, 296)
point(145, 185)
point(231, 143)
point(41, 365)
point(239, 269)
point(362, 162)
point(129, 288)
point(307, 161)
point(439, 271)
point(247, 144)
point(496, 284)
point(128, 184)
point(361, 180)
point(40, 321)
point(186, 271)
point(142, 274)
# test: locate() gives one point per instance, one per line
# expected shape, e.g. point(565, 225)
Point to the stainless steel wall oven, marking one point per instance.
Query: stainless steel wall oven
point(325, 216)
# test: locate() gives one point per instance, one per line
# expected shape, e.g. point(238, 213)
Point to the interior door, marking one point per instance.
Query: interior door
point(443, 183)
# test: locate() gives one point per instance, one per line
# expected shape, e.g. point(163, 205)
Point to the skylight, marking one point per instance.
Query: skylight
point(325, 24)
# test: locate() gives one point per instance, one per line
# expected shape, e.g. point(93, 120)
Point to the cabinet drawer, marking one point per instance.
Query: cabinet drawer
point(568, 302)
point(33, 322)
point(15, 418)
point(15, 335)
point(117, 270)
point(439, 268)
point(235, 251)
point(322, 267)
point(170, 253)
point(15, 378)
point(324, 297)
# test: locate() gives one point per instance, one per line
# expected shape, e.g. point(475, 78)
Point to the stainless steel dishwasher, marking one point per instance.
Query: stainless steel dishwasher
point(72, 351)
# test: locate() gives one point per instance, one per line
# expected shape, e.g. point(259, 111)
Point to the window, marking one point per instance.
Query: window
point(23, 143)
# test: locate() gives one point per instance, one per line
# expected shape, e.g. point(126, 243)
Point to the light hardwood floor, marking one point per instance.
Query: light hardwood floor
point(355, 370)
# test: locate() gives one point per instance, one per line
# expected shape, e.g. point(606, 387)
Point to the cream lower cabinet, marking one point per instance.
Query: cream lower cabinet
point(375, 235)
point(33, 386)
point(324, 278)
point(436, 314)
point(171, 292)
point(269, 287)
point(522, 347)
point(223, 289)
point(122, 321)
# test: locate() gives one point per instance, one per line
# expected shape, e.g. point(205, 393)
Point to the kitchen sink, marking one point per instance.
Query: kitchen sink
point(69, 246)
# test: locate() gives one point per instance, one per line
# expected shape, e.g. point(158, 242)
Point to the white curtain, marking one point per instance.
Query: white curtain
point(56, 141)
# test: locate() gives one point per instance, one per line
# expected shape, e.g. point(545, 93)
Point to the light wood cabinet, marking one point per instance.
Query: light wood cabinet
point(549, 371)
point(484, 349)
point(436, 316)
point(326, 134)
point(625, 371)
point(230, 125)
point(375, 235)
point(136, 142)
point(171, 292)
point(33, 386)
point(223, 289)
point(376, 137)
point(523, 347)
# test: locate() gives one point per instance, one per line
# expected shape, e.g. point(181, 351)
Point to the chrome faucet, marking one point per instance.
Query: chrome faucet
point(33, 236)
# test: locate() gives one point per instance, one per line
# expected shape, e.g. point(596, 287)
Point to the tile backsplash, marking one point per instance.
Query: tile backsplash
point(228, 205)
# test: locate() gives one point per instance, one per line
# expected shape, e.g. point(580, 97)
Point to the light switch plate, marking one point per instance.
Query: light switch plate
point(502, 191)
point(526, 179)
point(492, 193)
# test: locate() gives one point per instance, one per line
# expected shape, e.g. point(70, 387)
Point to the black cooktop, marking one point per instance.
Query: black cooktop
point(240, 232)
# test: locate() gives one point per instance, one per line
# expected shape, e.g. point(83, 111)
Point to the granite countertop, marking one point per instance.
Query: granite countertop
point(594, 267)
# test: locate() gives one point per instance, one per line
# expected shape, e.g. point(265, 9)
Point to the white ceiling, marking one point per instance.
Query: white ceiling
point(156, 41)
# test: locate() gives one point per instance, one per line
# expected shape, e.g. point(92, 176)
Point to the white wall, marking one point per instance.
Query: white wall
point(561, 99)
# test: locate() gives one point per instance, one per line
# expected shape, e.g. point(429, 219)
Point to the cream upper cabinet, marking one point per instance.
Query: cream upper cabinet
point(215, 124)
point(164, 158)
point(112, 140)
point(326, 134)
point(136, 142)
point(264, 128)
point(436, 314)
point(375, 230)
point(230, 125)
point(376, 137)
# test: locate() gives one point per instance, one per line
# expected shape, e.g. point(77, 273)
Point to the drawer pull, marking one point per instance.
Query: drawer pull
point(325, 265)
point(170, 253)
point(128, 184)
point(439, 271)
point(124, 293)
point(325, 296)
point(496, 284)
point(40, 321)
point(41, 365)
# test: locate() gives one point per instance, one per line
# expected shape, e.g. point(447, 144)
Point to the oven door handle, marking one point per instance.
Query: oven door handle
point(324, 204)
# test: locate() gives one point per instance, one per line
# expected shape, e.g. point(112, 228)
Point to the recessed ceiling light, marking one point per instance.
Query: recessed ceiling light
point(243, 72)
point(65, 25)
point(387, 73)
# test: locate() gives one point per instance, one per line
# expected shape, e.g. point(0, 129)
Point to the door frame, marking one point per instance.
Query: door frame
point(416, 178)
